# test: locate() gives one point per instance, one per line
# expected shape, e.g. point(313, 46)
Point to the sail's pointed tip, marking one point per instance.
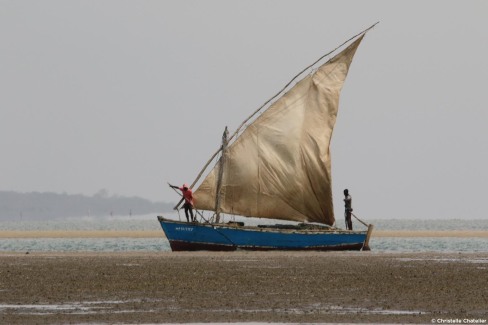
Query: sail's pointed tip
point(361, 34)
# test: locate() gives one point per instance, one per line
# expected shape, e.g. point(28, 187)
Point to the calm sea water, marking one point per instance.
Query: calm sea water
point(150, 223)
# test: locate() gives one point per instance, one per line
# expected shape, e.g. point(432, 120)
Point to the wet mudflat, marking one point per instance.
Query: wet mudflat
point(52, 288)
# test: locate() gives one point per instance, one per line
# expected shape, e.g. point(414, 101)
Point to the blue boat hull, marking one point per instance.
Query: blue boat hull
point(184, 236)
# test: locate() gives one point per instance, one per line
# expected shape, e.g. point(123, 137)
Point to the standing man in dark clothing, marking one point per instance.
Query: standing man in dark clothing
point(188, 196)
point(348, 209)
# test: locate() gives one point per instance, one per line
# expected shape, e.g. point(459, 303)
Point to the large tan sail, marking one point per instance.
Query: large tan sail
point(280, 166)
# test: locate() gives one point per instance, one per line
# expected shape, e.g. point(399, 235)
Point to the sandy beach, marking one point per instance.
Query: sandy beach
point(165, 287)
point(160, 233)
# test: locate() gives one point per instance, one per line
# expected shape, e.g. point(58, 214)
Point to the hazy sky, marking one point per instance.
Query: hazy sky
point(127, 95)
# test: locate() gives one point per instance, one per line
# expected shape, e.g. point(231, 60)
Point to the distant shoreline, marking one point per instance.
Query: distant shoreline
point(36, 206)
point(160, 233)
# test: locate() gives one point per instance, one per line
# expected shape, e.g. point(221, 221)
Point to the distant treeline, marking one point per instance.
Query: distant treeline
point(36, 206)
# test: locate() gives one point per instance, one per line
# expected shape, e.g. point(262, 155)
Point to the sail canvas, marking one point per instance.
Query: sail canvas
point(280, 166)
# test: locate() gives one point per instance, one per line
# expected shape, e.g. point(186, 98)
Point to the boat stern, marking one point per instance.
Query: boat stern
point(368, 236)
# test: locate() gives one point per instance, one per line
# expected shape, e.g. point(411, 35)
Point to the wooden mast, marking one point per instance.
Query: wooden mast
point(225, 141)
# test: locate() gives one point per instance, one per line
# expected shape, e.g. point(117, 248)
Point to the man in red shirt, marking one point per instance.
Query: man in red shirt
point(188, 196)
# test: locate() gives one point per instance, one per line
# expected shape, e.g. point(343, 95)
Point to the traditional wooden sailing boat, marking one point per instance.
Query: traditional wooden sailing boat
point(277, 166)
